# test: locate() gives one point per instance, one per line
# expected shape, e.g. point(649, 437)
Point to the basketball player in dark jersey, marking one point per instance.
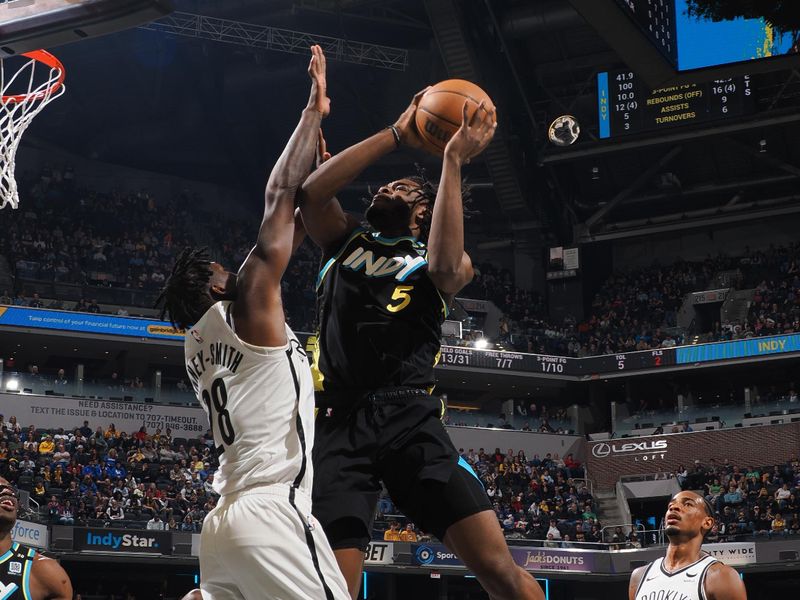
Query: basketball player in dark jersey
point(25, 574)
point(383, 295)
point(686, 571)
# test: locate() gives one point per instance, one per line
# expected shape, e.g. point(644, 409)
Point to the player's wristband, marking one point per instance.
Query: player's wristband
point(395, 133)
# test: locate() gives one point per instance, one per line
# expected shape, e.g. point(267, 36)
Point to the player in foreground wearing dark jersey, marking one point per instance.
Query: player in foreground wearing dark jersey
point(25, 574)
point(686, 572)
point(383, 295)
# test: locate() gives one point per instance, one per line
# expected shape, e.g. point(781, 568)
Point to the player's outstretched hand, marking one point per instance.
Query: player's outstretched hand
point(406, 126)
point(317, 68)
point(473, 136)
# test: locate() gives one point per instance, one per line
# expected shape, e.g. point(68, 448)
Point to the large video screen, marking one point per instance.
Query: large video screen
point(690, 42)
point(704, 43)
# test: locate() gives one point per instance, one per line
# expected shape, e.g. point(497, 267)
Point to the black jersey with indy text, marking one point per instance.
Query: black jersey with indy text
point(380, 315)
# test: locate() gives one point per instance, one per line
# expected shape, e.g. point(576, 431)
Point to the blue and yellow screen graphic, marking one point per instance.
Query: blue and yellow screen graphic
point(705, 43)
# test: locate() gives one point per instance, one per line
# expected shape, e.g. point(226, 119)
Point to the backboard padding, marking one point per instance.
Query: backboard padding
point(27, 25)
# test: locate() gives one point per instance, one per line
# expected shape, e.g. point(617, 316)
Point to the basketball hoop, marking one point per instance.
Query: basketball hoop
point(19, 107)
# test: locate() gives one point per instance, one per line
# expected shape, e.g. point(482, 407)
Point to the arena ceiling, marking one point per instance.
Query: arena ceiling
point(208, 110)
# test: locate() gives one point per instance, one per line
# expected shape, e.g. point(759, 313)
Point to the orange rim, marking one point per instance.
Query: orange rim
point(44, 57)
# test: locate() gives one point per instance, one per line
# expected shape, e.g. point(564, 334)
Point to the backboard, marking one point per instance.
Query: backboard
point(27, 25)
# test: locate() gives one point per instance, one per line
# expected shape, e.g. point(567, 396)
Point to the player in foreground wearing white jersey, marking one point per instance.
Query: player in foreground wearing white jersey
point(254, 382)
point(686, 572)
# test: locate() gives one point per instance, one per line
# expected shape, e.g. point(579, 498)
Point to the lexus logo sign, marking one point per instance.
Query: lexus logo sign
point(601, 450)
point(643, 451)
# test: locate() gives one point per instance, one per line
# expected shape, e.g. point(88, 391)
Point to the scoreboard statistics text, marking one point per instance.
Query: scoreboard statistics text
point(627, 106)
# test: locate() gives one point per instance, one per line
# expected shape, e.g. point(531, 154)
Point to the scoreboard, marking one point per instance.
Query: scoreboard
point(656, 19)
point(627, 106)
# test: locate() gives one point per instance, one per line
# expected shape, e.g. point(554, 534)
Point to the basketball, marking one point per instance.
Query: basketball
point(440, 111)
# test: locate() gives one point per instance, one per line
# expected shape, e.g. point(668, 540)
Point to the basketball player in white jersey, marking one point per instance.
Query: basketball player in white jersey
point(686, 572)
point(252, 377)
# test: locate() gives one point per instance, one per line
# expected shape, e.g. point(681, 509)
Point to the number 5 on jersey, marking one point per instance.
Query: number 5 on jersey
point(401, 294)
point(217, 401)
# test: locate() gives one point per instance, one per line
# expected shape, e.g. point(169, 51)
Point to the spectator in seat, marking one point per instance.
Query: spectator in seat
point(5, 298)
point(778, 526)
point(393, 533)
point(733, 497)
point(39, 492)
point(47, 446)
point(155, 524)
point(760, 524)
point(66, 515)
point(61, 378)
point(551, 542)
point(188, 524)
point(633, 540)
point(114, 511)
point(53, 509)
point(408, 534)
point(111, 432)
point(93, 307)
point(782, 495)
point(553, 530)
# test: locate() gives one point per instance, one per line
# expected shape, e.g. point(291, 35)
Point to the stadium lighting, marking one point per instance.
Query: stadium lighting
point(481, 343)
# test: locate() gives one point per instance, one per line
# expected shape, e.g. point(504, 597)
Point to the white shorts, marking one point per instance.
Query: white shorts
point(256, 546)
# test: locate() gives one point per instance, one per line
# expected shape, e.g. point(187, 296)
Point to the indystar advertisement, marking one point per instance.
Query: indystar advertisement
point(531, 559)
point(30, 534)
point(733, 553)
point(119, 540)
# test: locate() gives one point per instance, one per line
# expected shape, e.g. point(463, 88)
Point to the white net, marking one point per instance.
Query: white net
point(24, 91)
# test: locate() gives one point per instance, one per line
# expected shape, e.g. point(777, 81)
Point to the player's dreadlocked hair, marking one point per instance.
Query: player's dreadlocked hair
point(186, 287)
point(427, 191)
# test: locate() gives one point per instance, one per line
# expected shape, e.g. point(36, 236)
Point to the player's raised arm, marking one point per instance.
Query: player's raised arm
point(449, 267)
point(325, 221)
point(291, 169)
point(258, 311)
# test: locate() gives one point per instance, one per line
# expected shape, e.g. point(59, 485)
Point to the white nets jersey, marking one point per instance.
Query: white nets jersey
point(259, 402)
point(685, 584)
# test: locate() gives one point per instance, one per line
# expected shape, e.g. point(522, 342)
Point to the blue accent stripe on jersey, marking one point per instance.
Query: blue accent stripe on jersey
point(417, 267)
point(324, 271)
point(353, 235)
point(9, 591)
point(26, 577)
point(392, 241)
point(465, 465)
point(9, 553)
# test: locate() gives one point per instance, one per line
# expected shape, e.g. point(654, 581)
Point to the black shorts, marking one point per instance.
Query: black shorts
point(396, 436)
